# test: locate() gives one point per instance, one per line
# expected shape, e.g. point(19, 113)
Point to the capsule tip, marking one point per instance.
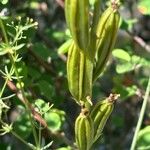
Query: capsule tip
point(113, 97)
point(115, 4)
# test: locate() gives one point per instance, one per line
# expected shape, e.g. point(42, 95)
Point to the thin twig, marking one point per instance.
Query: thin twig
point(142, 112)
point(35, 114)
point(60, 3)
point(38, 117)
point(139, 41)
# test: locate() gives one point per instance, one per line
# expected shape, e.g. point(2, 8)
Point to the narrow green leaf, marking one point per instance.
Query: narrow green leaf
point(64, 47)
point(18, 46)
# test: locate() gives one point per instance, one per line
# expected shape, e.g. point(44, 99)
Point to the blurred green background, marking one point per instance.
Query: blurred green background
point(43, 68)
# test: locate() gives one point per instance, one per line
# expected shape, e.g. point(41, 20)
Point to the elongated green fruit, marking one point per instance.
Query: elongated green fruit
point(95, 19)
point(101, 112)
point(77, 18)
point(79, 74)
point(106, 33)
point(84, 131)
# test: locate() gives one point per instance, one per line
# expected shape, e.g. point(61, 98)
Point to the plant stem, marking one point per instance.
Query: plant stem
point(16, 135)
point(40, 128)
point(26, 102)
point(139, 123)
point(4, 86)
point(3, 31)
point(20, 84)
point(21, 139)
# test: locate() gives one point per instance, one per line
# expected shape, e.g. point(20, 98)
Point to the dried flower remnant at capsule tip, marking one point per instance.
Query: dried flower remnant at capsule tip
point(106, 32)
point(101, 112)
point(89, 100)
point(113, 97)
point(84, 111)
point(115, 5)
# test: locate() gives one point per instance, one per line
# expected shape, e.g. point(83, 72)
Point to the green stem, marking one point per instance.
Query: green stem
point(40, 135)
point(139, 123)
point(21, 139)
point(16, 135)
point(20, 84)
point(16, 37)
point(26, 102)
point(3, 31)
point(4, 86)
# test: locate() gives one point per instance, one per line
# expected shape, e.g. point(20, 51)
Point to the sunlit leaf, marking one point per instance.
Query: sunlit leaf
point(2, 52)
point(43, 107)
point(143, 141)
point(121, 54)
point(64, 148)
point(122, 68)
point(127, 63)
point(22, 125)
point(127, 24)
point(144, 7)
point(55, 119)
point(4, 2)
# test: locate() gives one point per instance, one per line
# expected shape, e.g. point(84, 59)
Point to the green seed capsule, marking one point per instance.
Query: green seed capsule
point(77, 18)
point(106, 36)
point(79, 74)
point(84, 131)
point(100, 114)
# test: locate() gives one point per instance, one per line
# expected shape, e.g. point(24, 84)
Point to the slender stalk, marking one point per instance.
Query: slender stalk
point(40, 128)
point(16, 135)
point(139, 123)
point(20, 84)
point(21, 139)
point(17, 35)
point(3, 31)
point(26, 102)
point(4, 86)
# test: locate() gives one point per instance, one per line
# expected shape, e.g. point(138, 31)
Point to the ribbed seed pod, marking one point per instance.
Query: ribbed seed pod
point(101, 112)
point(77, 17)
point(106, 36)
point(79, 74)
point(84, 131)
point(95, 19)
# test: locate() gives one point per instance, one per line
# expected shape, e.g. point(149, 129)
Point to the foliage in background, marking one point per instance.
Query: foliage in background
point(44, 76)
